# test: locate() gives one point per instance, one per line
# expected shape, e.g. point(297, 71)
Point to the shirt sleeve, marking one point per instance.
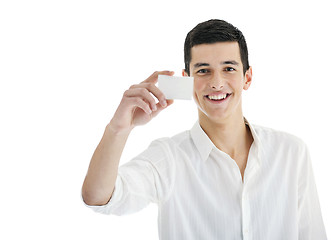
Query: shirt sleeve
point(309, 212)
point(147, 178)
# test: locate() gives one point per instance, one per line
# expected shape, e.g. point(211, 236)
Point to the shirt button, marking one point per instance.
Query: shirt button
point(246, 231)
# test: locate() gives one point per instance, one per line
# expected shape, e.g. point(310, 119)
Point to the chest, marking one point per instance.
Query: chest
point(213, 193)
point(241, 163)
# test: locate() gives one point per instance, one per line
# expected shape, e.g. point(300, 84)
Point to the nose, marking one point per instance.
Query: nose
point(217, 82)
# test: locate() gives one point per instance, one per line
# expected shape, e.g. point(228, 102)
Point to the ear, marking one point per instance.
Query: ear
point(248, 78)
point(184, 73)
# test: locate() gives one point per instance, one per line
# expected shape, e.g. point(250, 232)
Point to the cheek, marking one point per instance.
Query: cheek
point(198, 88)
point(198, 85)
point(236, 83)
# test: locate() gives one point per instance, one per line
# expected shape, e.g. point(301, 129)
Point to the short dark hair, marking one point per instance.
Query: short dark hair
point(213, 31)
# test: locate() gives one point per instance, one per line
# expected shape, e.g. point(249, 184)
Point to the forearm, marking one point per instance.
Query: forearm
point(136, 108)
point(100, 180)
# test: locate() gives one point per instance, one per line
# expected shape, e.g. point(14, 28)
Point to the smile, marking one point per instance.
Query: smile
point(218, 97)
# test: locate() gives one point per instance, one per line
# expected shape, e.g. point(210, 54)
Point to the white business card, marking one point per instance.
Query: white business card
point(176, 87)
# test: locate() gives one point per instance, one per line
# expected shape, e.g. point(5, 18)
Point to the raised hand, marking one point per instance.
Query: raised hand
point(138, 105)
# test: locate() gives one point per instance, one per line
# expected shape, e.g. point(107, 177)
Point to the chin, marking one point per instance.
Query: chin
point(214, 116)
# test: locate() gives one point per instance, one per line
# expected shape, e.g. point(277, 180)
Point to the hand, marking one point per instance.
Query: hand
point(138, 106)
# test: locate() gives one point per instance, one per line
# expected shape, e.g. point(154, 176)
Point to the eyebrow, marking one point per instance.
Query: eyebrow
point(231, 62)
point(197, 65)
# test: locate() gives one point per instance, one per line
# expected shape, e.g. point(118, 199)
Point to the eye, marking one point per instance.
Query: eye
point(203, 71)
point(229, 69)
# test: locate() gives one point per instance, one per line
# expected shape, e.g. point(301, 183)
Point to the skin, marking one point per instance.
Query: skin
point(216, 68)
point(137, 107)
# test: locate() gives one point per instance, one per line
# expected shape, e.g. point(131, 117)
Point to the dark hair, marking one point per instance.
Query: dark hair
point(213, 31)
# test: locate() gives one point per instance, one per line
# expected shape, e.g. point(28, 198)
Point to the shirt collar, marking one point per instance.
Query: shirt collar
point(256, 147)
point(205, 145)
point(201, 141)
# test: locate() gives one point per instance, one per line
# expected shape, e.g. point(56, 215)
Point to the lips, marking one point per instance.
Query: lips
point(218, 97)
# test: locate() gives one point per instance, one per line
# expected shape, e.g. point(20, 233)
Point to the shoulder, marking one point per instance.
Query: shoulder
point(278, 138)
point(168, 146)
point(179, 140)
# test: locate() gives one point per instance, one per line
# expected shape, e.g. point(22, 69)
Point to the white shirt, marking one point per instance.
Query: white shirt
point(201, 195)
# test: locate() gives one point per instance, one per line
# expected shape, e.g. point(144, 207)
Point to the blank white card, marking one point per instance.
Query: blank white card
point(176, 87)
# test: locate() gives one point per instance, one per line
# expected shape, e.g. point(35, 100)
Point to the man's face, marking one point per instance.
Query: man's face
point(218, 79)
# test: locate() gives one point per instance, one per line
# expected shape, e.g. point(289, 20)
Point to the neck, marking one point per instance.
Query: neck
point(231, 136)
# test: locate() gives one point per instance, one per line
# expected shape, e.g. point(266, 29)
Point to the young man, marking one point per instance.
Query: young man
point(224, 178)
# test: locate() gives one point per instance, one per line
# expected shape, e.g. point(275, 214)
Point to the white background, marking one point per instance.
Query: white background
point(65, 64)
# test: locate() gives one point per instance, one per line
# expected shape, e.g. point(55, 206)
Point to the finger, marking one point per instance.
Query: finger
point(154, 76)
point(142, 93)
point(160, 108)
point(169, 102)
point(155, 91)
point(138, 102)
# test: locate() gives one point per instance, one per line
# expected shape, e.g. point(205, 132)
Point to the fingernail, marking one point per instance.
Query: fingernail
point(163, 103)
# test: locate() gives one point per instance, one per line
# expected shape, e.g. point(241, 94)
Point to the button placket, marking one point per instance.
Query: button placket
point(245, 214)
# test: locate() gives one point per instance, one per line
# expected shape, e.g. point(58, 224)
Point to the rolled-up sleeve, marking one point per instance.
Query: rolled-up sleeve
point(310, 223)
point(146, 178)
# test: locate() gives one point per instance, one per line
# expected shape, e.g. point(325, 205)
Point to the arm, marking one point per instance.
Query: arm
point(137, 107)
point(310, 223)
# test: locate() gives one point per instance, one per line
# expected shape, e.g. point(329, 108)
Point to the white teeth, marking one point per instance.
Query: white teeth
point(217, 97)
